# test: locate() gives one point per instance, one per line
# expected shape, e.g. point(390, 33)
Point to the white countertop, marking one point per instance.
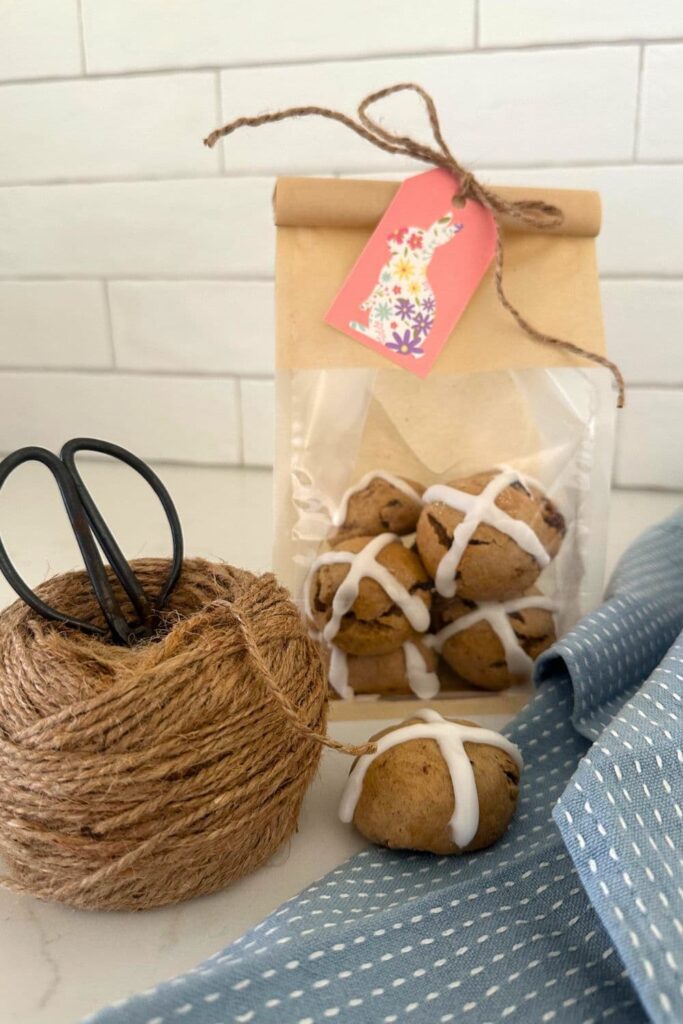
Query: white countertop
point(57, 964)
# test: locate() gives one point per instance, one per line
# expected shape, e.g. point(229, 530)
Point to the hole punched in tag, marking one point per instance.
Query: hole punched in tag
point(92, 534)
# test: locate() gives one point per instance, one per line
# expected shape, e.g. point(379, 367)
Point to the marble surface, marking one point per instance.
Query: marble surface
point(57, 964)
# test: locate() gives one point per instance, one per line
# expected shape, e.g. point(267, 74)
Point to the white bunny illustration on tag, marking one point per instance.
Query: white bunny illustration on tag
point(402, 305)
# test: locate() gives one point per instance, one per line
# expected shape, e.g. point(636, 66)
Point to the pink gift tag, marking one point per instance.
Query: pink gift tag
point(412, 281)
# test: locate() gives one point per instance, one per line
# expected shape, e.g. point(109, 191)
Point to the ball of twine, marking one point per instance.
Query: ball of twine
point(136, 777)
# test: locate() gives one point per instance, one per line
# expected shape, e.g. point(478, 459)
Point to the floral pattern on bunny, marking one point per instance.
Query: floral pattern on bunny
point(402, 305)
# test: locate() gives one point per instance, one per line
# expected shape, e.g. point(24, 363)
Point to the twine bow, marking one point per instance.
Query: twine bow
point(533, 213)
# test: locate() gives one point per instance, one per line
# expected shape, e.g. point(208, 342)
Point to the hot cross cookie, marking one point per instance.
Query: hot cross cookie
point(368, 595)
point(493, 645)
point(379, 503)
point(489, 536)
point(434, 784)
point(411, 669)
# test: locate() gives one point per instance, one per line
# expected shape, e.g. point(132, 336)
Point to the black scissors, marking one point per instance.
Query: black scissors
point(90, 530)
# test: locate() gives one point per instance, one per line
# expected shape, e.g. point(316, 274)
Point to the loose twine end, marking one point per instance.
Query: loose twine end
point(535, 214)
point(287, 708)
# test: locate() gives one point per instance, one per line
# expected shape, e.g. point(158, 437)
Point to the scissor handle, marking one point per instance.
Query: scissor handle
point(118, 562)
point(91, 556)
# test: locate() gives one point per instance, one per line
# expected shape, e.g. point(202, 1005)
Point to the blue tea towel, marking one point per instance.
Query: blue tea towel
point(575, 916)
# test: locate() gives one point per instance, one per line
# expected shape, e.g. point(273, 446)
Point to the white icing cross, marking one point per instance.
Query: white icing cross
point(422, 682)
point(451, 737)
point(363, 564)
point(338, 669)
point(518, 661)
point(375, 474)
point(478, 509)
point(338, 673)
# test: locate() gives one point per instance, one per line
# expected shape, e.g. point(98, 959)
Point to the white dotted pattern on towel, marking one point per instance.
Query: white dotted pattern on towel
point(510, 933)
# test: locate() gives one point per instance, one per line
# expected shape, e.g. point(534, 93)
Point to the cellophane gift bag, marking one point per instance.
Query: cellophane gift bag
point(440, 532)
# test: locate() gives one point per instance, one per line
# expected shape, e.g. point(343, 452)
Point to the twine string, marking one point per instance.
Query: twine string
point(265, 675)
point(137, 777)
point(536, 214)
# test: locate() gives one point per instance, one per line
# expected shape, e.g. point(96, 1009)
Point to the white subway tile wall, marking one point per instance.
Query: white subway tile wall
point(54, 324)
point(164, 418)
point(209, 327)
point(661, 137)
point(643, 320)
point(258, 421)
point(136, 295)
point(491, 108)
point(40, 39)
point(204, 227)
point(121, 37)
point(142, 126)
point(539, 22)
point(644, 450)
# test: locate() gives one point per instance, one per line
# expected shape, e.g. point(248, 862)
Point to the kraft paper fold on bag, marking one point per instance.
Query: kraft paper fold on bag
point(495, 396)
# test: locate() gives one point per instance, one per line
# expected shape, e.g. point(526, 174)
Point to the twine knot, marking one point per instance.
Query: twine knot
point(535, 214)
point(467, 186)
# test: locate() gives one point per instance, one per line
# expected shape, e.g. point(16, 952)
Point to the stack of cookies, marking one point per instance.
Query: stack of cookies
point(411, 576)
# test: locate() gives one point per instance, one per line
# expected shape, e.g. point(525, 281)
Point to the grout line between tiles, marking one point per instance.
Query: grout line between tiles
point(241, 438)
point(394, 170)
point(224, 376)
point(266, 280)
point(639, 105)
point(81, 37)
point(355, 58)
point(109, 323)
point(222, 163)
point(178, 373)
